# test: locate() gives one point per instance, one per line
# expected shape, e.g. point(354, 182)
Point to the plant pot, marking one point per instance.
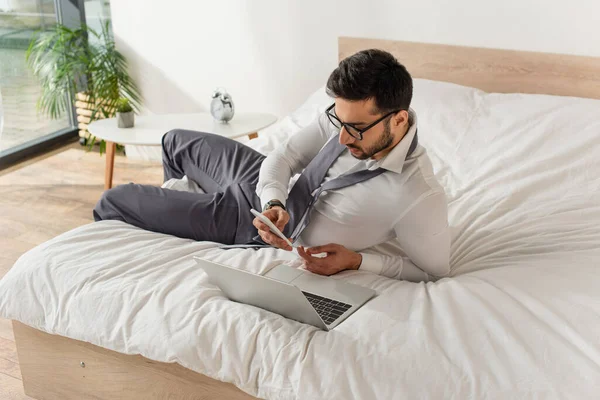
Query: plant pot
point(125, 120)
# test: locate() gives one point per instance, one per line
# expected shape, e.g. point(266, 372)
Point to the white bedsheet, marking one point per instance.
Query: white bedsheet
point(519, 318)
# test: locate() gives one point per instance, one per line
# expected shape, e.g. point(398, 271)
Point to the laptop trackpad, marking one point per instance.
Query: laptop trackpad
point(284, 273)
point(335, 289)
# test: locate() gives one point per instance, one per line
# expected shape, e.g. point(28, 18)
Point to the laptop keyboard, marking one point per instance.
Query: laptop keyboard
point(328, 309)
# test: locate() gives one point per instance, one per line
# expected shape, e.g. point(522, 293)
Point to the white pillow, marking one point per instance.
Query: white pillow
point(521, 174)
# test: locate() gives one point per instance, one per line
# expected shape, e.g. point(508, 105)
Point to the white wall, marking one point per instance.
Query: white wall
point(271, 54)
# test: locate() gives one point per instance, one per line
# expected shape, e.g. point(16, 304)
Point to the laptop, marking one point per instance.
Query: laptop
point(293, 293)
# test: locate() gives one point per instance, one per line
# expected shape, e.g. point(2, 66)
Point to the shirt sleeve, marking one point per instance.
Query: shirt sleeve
point(421, 249)
point(395, 267)
point(289, 159)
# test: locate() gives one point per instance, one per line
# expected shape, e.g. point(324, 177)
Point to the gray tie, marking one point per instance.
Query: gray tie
point(308, 188)
point(342, 181)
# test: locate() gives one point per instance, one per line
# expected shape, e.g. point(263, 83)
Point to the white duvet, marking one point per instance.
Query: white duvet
point(518, 318)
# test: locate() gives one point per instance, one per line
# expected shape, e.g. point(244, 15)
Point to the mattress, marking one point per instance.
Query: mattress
point(518, 318)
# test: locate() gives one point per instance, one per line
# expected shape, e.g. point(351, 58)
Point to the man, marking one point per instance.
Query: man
point(366, 194)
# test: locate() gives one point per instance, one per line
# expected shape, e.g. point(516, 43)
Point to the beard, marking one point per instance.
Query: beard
point(384, 141)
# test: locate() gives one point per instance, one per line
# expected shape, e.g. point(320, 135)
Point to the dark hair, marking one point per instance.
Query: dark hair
point(372, 74)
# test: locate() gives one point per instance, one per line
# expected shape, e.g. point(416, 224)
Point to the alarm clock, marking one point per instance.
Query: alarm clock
point(221, 106)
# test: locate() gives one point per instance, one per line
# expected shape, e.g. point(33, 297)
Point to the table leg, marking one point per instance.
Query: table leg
point(110, 163)
point(253, 135)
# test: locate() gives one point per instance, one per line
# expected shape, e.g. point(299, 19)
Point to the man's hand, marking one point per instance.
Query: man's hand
point(338, 259)
point(280, 218)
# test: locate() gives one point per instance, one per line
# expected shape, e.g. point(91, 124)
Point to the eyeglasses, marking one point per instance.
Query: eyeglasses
point(353, 131)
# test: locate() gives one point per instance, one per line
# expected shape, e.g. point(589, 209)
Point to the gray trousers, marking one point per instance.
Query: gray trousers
point(225, 169)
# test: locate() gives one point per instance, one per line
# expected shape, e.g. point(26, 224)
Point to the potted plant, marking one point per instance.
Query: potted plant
point(82, 66)
point(125, 114)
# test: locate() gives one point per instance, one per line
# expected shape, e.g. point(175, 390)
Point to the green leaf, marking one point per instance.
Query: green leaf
point(66, 62)
point(90, 142)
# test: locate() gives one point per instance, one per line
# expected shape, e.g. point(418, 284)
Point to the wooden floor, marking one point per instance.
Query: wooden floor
point(42, 198)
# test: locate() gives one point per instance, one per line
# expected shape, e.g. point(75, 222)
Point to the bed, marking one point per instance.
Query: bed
point(514, 138)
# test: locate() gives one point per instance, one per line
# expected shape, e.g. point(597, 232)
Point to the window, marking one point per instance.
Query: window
point(25, 130)
point(20, 90)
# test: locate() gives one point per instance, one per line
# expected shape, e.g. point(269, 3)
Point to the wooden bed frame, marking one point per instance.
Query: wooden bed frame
point(58, 368)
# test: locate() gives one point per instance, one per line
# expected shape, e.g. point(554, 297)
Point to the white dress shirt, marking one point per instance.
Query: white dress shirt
point(397, 221)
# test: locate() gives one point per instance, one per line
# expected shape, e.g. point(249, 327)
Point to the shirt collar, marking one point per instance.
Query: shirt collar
point(394, 160)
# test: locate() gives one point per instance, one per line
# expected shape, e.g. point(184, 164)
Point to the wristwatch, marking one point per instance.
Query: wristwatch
point(273, 203)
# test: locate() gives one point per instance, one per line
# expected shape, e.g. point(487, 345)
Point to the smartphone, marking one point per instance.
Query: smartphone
point(271, 226)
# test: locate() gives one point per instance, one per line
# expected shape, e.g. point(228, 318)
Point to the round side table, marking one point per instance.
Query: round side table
point(149, 130)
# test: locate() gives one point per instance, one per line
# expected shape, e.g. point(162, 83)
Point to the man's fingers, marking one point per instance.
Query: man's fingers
point(320, 262)
point(265, 233)
point(282, 221)
point(273, 214)
point(315, 268)
point(273, 239)
point(326, 248)
point(269, 237)
point(303, 254)
point(279, 216)
point(258, 224)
